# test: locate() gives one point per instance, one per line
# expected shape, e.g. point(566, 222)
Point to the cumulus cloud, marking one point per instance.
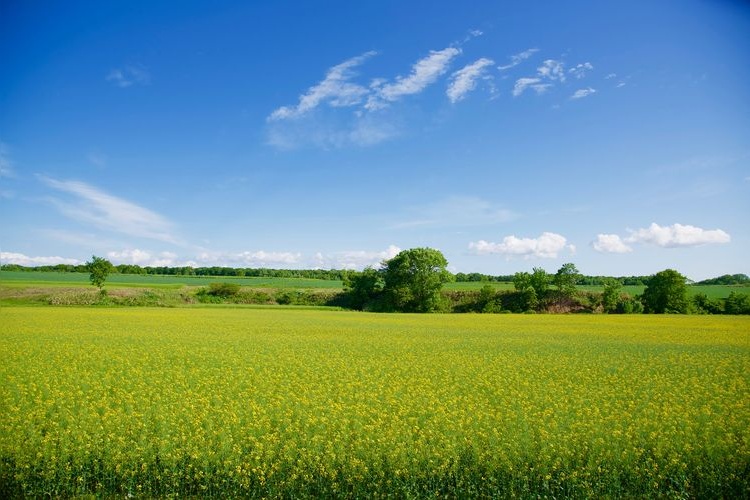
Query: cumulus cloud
point(128, 76)
point(465, 80)
point(424, 72)
point(517, 59)
point(533, 83)
point(90, 205)
point(547, 245)
point(581, 93)
point(610, 243)
point(25, 260)
point(580, 70)
point(677, 235)
point(335, 89)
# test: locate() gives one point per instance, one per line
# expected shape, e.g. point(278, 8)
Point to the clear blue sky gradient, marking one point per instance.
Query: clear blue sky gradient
point(331, 134)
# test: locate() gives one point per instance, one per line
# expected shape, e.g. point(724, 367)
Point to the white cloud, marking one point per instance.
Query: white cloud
point(534, 83)
point(355, 259)
point(677, 235)
point(335, 90)
point(620, 85)
point(261, 258)
point(579, 71)
point(581, 93)
point(552, 70)
point(465, 80)
point(610, 243)
point(610, 76)
point(517, 59)
point(25, 260)
point(105, 211)
point(547, 245)
point(129, 75)
point(424, 72)
point(6, 166)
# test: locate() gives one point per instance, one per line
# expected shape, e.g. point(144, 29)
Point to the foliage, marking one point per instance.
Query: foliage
point(223, 290)
point(98, 268)
point(611, 295)
point(727, 279)
point(737, 303)
point(363, 288)
point(666, 292)
point(565, 279)
point(539, 281)
point(412, 280)
point(255, 403)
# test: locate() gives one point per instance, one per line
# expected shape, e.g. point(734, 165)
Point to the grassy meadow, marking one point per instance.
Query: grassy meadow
point(282, 402)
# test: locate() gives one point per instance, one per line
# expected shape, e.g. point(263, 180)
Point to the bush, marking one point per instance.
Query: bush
point(223, 290)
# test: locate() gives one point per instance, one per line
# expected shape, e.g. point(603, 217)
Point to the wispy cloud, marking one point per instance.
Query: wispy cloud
point(362, 130)
point(335, 90)
point(610, 243)
point(677, 235)
point(464, 80)
point(546, 246)
point(517, 59)
point(581, 93)
point(610, 76)
point(580, 70)
point(6, 166)
point(92, 206)
point(552, 70)
point(97, 159)
point(353, 259)
point(533, 83)
point(423, 73)
point(129, 75)
point(457, 211)
point(25, 260)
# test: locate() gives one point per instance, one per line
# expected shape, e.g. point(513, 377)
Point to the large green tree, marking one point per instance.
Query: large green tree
point(99, 268)
point(413, 280)
point(666, 292)
point(565, 279)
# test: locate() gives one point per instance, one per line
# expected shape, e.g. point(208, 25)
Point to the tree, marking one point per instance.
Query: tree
point(539, 282)
point(413, 279)
point(525, 298)
point(666, 292)
point(565, 279)
point(99, 268)
point(363, 288)
point(611, 294)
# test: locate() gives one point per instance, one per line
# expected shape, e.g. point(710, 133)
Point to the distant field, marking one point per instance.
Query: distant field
point(283, 403)
point(66, 279)
point(19, 278)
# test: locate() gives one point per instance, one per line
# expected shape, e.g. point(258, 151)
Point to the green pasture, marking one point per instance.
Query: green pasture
point(297, 403)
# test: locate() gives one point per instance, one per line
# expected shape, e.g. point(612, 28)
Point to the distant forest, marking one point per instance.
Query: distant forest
point(339, 274)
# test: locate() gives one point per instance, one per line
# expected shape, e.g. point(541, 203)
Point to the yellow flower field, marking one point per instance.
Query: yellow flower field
point(283, 402)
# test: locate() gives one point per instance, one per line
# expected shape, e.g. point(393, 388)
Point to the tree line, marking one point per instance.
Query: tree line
point(412, 281)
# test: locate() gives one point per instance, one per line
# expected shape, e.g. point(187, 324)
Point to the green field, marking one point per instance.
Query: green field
point(278, 402)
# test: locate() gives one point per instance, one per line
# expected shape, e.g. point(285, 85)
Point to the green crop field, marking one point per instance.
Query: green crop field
point(260, 402)
point(22, 278)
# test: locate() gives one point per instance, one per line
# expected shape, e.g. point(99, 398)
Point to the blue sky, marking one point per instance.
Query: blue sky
point(509, 135)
